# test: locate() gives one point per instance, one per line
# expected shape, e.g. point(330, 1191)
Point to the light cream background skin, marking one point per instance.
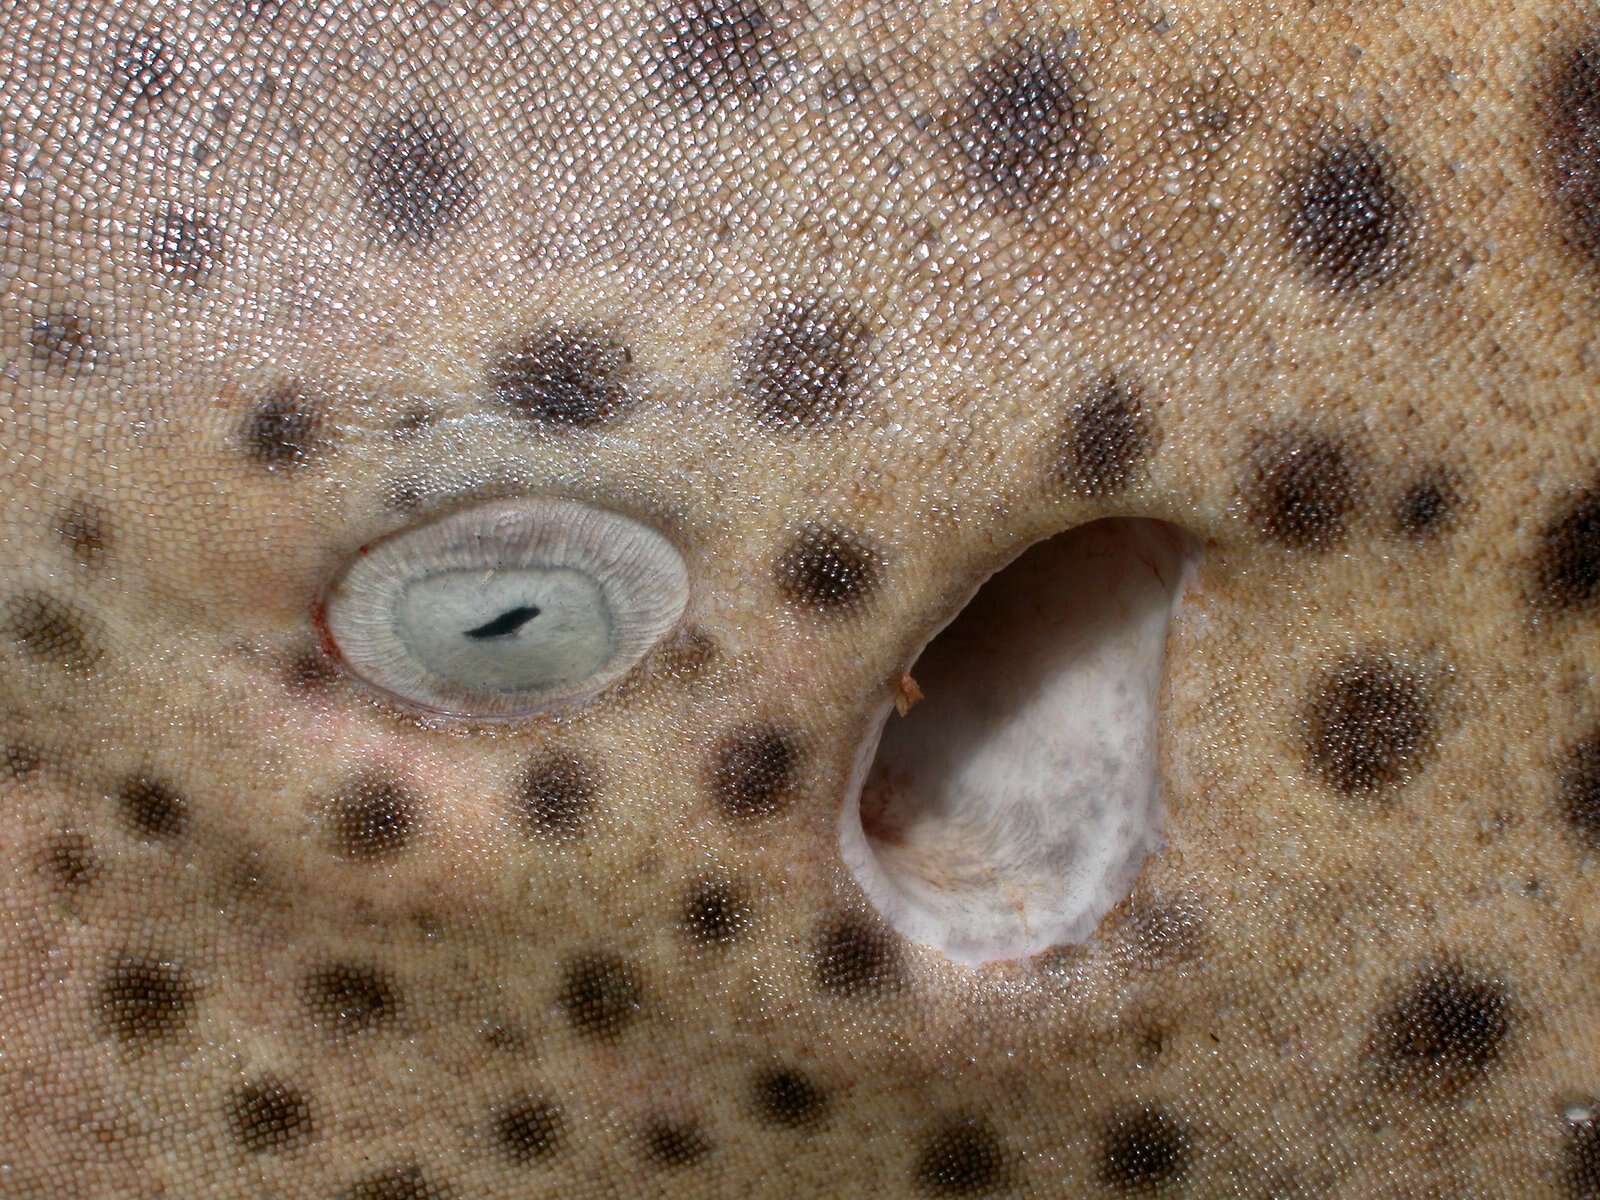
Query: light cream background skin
point(1312, 991)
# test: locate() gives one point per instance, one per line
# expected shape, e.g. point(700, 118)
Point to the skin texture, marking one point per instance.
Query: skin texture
point(853, 302)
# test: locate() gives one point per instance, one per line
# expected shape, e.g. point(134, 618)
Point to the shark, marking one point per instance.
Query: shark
point(729, 598)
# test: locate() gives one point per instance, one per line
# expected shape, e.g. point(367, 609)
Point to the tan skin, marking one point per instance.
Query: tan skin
point(279, 278)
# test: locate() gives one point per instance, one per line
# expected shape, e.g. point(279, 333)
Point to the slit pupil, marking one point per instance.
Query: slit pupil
point(505, 624)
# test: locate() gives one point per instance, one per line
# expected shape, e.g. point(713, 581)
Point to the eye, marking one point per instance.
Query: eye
point(506, 609)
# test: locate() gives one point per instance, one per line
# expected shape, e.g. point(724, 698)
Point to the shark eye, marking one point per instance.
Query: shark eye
point(507, 609)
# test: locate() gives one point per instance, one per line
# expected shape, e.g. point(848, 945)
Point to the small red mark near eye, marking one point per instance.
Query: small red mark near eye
point(363, 549)
point(906, 694)
point(319, 622)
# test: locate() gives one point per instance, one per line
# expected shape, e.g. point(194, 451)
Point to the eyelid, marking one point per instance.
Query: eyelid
point(613, 587)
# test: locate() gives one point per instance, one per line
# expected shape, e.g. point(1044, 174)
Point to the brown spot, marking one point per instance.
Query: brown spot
point(601, 994)
point(419, 176)
point(1574, 122)
point(283, 430)
point(1109, 436)
point(1567, 565)
point(152, 808)
point(1580, 789)
point(71, 860)
point(1301, 490)
point(1349, 221)
point(803, 368)
point(268, 1115)
point(961, 1157)
point(351, 998)
point(828, 570)
point(142, 999)
point(1447, 1029)
point(753, 771)
point(143, 67)
point(557, 798)
point(786, 1097)
point(1144, 1149)
point(83, 531)
point(64, 340)
point(1021, 128)
point(529, 1129)
point(407, 1182)
point(854, 957)
point(49, 631)
point(1428, 507)
point(374, 818)
point(670, 1144)
point(717, 51)
point(564, 378)
point(715, 913)
point(1371, 722)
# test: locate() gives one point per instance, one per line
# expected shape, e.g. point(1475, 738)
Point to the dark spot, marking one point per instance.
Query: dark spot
point(146, 999)
point(420, 178)
point(1109, 435)
point(152, 808)
point(83, 531)
point(1580, 789)
point(1370, 723)
point(717, 50)
point(753, 770)
point(64, 339)
point(1446, 1029)
point(143, 67)
point(827, 570)
point(1021, 129)
point(803, 368)
point(1302, 490)
point(670, 1144)
point(1567, 567)
point(399, 1183)
point(1163, 932)
point(784, 1096)
point(529, 1130)
point(1143, 1150)
point(1349, 221)
point(1582, 1154)
point(269, 1115)
point(374, 818)
point(565, 378)
point(183, 244)
point(715, 913)
point(557, 797)
point(282, 431)
point(1575, 126)
point(1428, 507)
point(310, 672)
point(600, 994)
point(70, 858)
point(962, 1157)
point(19, 760)
point(49, 631)
point(351, 998)
point(854, 957)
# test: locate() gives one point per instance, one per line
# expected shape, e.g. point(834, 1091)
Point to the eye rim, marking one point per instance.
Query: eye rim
point(620, 553)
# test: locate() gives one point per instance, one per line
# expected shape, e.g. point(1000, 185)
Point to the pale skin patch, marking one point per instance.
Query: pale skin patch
point(851, 303)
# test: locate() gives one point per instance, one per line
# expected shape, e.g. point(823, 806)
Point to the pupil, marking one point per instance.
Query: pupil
point(506, 623)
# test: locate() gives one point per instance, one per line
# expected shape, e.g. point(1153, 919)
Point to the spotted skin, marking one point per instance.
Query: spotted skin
point(853, 303)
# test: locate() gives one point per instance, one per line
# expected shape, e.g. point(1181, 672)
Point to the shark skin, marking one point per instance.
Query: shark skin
point(822, 313)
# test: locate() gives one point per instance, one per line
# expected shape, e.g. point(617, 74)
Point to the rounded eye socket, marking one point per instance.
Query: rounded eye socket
point(506, 609)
